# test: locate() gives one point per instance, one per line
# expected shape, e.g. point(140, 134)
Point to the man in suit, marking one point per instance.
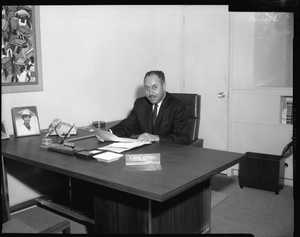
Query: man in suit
point(170, 121)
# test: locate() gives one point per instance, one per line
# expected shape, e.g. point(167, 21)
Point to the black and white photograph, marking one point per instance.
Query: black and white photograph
point(152, 119)
point(25, 121)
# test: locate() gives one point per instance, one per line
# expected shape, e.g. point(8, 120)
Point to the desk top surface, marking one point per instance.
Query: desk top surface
point(182, 167)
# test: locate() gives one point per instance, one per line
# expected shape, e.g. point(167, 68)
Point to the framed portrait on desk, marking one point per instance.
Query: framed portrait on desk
point(4, 131)
point(25, 121)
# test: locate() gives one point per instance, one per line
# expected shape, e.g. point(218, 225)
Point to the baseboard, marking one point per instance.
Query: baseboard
point(235, 172)
point(288, 182)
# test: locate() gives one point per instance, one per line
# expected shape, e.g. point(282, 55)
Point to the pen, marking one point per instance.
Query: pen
point(52, 129)
point(92, 125)
point(80, 138)
point(61, 142)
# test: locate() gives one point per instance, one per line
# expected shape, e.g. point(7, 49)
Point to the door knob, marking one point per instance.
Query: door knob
point(221, 95)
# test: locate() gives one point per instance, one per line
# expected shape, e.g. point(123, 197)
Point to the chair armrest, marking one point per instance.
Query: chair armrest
point(197, 143)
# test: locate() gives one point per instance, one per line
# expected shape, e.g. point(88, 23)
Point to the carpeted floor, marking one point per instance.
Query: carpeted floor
point(217, 198)
point(234, 210)
point(254, 211)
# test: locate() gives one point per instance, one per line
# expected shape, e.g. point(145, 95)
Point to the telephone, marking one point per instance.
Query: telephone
point(57, 127)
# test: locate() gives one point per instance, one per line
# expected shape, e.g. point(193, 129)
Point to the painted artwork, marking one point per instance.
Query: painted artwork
point(18, 46)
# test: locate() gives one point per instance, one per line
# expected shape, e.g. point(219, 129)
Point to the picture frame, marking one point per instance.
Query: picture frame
point(25, 121)
point(4, 131)
point(21, 63)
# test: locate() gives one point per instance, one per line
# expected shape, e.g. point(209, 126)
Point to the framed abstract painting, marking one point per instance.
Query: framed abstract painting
point(21, 66)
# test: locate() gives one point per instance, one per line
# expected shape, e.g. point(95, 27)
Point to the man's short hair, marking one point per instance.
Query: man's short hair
point(159, 74)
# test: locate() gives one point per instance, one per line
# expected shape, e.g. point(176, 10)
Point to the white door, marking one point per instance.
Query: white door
point(205, 69)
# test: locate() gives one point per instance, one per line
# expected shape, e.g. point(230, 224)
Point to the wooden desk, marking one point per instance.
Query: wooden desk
point(175, 199)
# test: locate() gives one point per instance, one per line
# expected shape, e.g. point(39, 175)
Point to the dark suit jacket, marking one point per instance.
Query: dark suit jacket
point(171, 124)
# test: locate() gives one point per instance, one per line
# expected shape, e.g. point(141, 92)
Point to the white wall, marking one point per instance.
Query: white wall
point(94, 57)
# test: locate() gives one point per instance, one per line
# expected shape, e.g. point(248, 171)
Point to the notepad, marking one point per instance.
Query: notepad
point(107, 156)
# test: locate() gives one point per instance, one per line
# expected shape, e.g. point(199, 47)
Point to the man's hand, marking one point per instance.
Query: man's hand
point(147, 137)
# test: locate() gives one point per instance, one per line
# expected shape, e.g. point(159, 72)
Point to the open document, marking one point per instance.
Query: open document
point(120, 143)
point(109, 137)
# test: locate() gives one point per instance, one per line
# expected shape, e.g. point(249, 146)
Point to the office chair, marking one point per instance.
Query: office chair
point(287, 150)
point(10, 226)
point(193, 104)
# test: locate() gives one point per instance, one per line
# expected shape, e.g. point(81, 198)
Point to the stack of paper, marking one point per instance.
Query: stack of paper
point(107, 156)
point(122, 146)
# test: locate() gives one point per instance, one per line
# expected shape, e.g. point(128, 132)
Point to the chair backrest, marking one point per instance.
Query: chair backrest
point(193, 103)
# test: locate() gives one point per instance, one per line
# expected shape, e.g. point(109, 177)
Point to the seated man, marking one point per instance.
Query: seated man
point(170, 121)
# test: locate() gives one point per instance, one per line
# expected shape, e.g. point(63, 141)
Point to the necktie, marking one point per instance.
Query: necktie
point(154, 114)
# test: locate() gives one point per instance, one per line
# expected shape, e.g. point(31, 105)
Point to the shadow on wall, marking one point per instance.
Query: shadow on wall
point(140, 92)
point(221, 181)
point(39, 181)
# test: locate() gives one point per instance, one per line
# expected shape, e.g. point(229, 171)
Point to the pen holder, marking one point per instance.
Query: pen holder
point(46, 143)
point(62, 149)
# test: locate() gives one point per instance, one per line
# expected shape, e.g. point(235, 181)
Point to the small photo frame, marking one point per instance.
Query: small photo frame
point(4, 131)
point(25, 121)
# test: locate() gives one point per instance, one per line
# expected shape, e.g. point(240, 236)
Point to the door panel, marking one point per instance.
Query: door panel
point(205, 68)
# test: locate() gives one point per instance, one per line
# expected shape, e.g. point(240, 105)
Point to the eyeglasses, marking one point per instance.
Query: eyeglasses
point(53, 129)
point(61, 129)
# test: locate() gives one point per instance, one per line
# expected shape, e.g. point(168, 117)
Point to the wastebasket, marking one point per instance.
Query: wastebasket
point(262, 171)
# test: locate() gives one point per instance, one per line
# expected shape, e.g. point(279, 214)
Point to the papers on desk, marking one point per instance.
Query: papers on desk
point(122, 146)
point(107, 156)
point(108, 136)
